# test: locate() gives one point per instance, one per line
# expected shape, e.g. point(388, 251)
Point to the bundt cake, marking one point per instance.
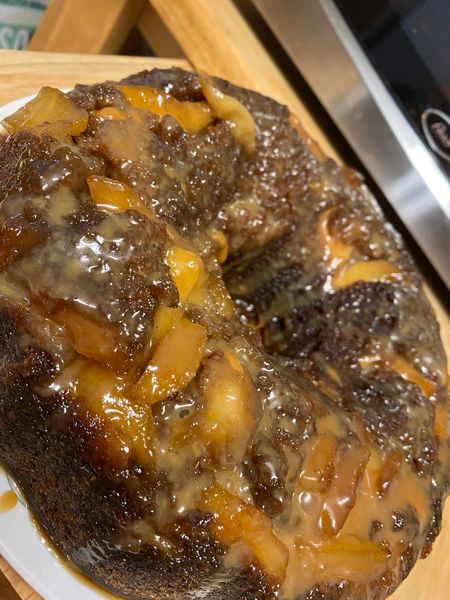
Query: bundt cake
point(220, 377)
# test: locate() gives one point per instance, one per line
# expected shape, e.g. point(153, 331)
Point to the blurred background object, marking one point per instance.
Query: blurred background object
point(18, 20)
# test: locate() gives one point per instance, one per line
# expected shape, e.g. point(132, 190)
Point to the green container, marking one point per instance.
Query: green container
point(18, 20)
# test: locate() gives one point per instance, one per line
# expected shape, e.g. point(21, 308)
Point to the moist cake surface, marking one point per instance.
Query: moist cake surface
point(219, 375)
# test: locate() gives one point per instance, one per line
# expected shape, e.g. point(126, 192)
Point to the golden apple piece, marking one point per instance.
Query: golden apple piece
point(408, 372)
point(338, 252)
point(110, 113)
point(231, 409)
point(126, 428)
point(354, 558)
point(335, 250)
point(341, 496)
point(441, 421)
point(186, 268)
point(365, 270)
point(218, 297)
point(113, 113)
point(230, 109)
point(388, 471)
point(50, 106)
point(222, 245)
point(116, 197)
point(318, 467)
point(402, 366)
point(166, 318)
point(192, 116)
point(91, 339)
point(347, 557)
point(174, 363)
point(236, 522)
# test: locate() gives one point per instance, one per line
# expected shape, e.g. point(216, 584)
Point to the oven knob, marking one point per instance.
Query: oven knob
point(436, 127)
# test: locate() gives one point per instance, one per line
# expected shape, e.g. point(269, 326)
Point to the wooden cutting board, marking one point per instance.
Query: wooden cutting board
point(23, 73)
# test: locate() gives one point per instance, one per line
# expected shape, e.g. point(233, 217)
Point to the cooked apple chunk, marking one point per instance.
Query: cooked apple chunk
point(231, 408)
point(236, 522)
point(192, 116)
point(174, 363)
point(48, 108)
point(186, 268)
point(347, 557)
point(318, 466)
point(368, 270)
point(116, 197)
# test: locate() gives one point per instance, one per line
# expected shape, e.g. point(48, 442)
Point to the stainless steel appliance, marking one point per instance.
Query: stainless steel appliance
point(381, 68)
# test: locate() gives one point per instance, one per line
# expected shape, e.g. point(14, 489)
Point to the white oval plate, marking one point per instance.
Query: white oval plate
point(20, 542)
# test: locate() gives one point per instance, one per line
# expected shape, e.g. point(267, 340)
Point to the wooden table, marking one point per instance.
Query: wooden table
point(23, 73)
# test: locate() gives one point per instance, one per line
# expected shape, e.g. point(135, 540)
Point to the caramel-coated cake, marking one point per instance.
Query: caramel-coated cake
point(219, 375)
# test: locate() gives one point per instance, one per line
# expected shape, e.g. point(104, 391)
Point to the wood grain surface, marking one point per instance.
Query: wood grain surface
point(88, 26)
point(23, 73)
point(12, 586)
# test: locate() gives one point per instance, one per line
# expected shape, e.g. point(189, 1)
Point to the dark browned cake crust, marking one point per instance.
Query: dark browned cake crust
point(288, 442)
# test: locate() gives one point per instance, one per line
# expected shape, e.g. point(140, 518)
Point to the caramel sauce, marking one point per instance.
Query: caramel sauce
point(8, 501)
